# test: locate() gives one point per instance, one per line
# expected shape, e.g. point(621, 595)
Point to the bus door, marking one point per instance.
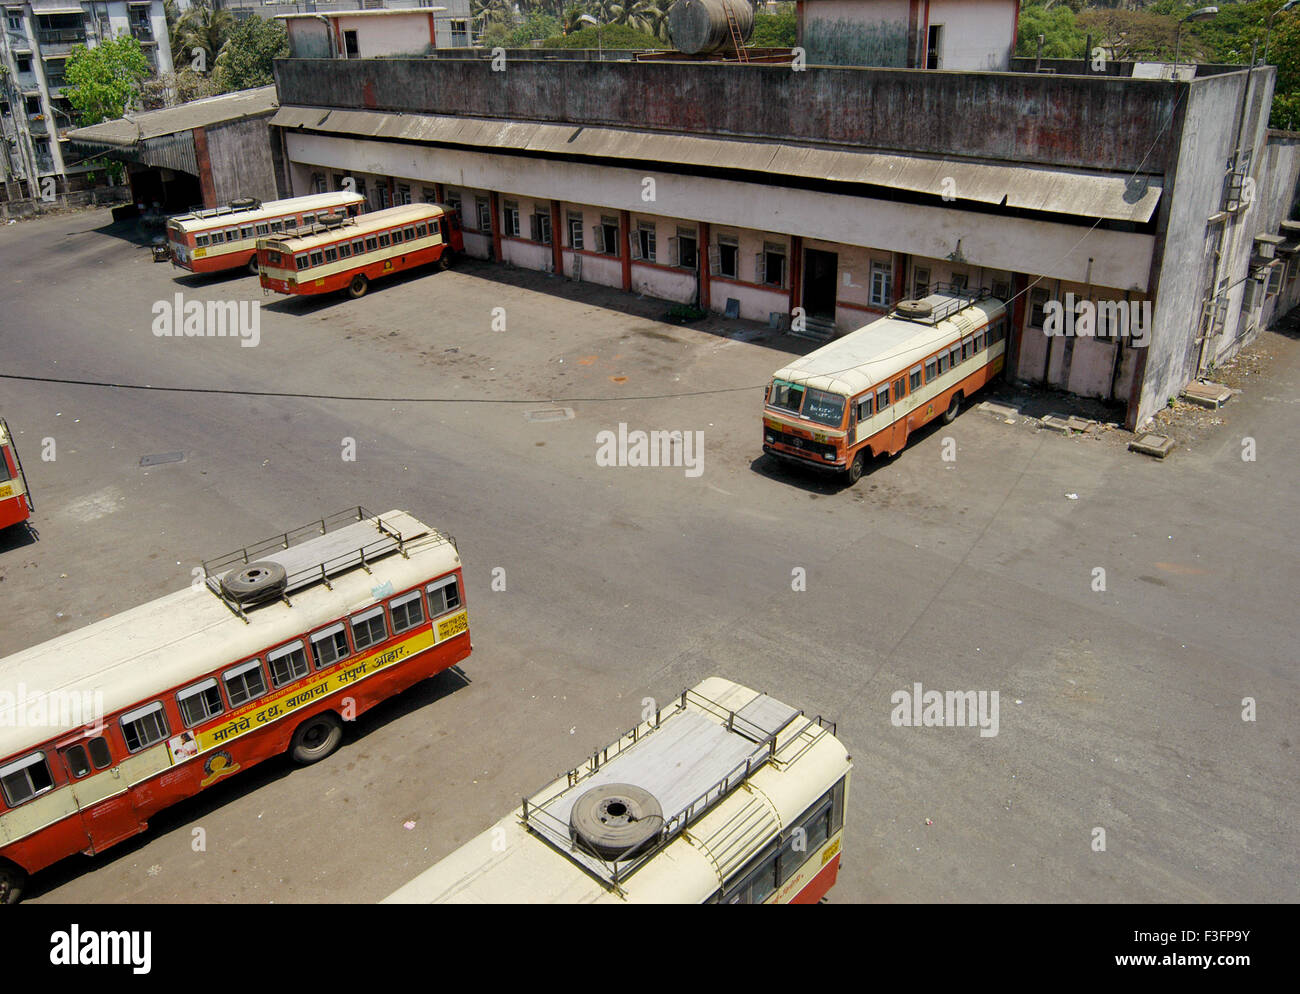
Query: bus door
point(99, 787)
point(15, 500)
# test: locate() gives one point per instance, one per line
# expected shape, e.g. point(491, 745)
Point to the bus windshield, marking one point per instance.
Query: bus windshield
point(824, 408)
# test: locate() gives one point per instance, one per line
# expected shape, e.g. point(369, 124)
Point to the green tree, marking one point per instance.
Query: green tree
point(245, 60)
point(173, 16)
point(1062, 38)
point(776, 30)
point(103, 81)
point(611, 36)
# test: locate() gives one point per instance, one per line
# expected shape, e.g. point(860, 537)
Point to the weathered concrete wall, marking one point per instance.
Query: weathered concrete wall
point(856, 32)
point(241, 159)
point(977, 34)
point(1186, 269)
point(309, 38)
point(1095, 122)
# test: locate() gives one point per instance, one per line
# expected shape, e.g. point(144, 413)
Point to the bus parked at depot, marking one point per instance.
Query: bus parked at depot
point(208, 241)
point(863, 395)
point(15, 498)
point(342, 254)
point(269, 651)
point(727, 796)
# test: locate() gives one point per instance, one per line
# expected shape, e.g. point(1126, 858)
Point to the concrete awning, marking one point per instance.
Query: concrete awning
point(1075, 193)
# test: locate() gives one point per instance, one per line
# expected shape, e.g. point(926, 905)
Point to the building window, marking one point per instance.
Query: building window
point(33, 105)
point(1037, 307)
point(429, 195)
point(1001, 290)
point(575, 231)
point(920, 283)
point(606, 236)
point(460, 34)
point(383, 195)
point(318, 183)
point(959, 281)
point(934, 47)
point(453, 203)
point(770, 265)
point(15, 20)
point(728, 257)
point(144, 726)
point(403, 193)
point(882, 284)
point(24, 63)
point(686, 249)
point(643, 245)
point(510, 218)
point(540, 226)
point(484, 214)
point(350, 49)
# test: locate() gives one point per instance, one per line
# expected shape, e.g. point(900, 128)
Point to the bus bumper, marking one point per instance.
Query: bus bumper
point(804, 459)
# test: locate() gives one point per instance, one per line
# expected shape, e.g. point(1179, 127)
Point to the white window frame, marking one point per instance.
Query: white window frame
point(280, 652)
point(17, 766)
point(437, 586)
point(240, 670)
point(194, 690)
point(328, 632)
point(365, 616)
point(882, 283)
point(144, 712)
point(402, 600)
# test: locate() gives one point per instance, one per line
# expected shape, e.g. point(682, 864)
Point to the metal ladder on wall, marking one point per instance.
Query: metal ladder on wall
point(736, 40)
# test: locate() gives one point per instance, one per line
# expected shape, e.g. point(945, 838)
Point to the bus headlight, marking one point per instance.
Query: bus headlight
point(768, 438)
point(828, 456)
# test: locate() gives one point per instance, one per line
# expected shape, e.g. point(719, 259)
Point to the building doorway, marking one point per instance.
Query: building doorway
point(820, 270)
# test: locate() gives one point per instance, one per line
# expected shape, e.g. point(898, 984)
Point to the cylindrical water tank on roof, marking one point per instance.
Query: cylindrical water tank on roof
point(698, 26)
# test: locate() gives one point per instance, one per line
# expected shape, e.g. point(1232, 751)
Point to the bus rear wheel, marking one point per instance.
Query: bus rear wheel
point(444, 260)
point(12, 881)
point(252, 266)
point(358, 286)
point(316, 738)
point(954, 408)
point(856, 467)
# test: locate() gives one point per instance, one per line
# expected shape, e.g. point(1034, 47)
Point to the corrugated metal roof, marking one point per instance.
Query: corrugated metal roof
point(135, 128)
point(1078, 193)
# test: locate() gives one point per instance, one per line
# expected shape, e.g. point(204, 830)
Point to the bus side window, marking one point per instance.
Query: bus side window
point(900, 388)
point(244, 682)
point(329, 645)
point(25, 778)
point(288, 663)
point(865, 408)
point(444, 596)
point(882, 399)
point(407, 611)
point(931, 369)
point(144, 726)
point(78, 763)
point(368, 628)
point(914, 379)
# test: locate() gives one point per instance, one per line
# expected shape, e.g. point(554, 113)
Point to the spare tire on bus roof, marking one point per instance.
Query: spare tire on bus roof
point(254, 582)
point(616, 820)
point(245, 203)
point(913, 308)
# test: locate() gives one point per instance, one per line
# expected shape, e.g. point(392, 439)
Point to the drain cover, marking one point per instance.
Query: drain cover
point(550, 414)
point(162, 457)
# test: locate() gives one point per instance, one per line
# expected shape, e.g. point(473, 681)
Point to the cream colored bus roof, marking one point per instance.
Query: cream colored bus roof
point(876, 352)
point(137, 655)
point(358, 228)
point(197, 224)
point(515, 864)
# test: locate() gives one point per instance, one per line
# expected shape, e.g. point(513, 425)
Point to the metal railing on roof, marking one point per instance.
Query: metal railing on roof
point(315, 569)
point(616, 871)
point(959, 298)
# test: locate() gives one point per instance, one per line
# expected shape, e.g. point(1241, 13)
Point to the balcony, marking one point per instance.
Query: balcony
point(142, 31)
point(60, 39)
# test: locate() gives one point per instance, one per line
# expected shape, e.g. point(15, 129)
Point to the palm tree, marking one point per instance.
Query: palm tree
point(206, 29)
point(657, 18)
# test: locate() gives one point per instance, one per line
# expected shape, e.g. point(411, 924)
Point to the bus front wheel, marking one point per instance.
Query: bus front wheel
point(316, 738)
point(252, 266)
point(358, 286)
point(12, 881)
point(859, 463)
point(954, 408)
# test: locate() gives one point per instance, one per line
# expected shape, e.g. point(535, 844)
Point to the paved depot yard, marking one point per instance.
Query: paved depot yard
point(1119, 709)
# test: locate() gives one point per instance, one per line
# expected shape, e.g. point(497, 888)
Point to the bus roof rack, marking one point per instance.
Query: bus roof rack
point(943, 300)
point(234, 207)
point(687, 759)
point(323, 223)
point(273, 568)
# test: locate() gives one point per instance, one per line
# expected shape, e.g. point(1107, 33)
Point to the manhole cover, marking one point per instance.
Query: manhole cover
point(550, 414)
point(162, 457)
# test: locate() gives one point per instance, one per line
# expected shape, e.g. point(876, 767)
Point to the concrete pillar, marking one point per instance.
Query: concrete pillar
point(494, 200)
point(625, 247)
point(557, 246)
point(703, 255)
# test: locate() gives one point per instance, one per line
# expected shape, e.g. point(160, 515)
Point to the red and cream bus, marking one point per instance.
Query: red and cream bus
point(15, 499)
point(727, 796)
point(208, 241)
point(348, 254)
point(269, 651)
point(865, 393)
